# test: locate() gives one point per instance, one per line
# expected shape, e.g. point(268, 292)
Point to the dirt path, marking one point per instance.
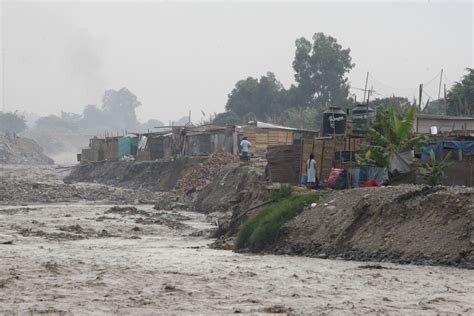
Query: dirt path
point(86, 258)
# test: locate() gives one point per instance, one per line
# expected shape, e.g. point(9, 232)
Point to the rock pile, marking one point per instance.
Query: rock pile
point(203, 174)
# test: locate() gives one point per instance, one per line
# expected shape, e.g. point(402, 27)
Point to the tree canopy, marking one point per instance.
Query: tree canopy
point(321, 68)
point(460, 98)
point(261, 97)
point(320, 73)
point(12, 122)
point(119, 106)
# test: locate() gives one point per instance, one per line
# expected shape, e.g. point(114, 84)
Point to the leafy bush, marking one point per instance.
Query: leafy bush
point(284, 191)
point(433, 170)
point(263, 229)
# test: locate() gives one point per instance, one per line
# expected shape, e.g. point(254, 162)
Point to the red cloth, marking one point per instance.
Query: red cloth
point(370, 183)
point(333, 175)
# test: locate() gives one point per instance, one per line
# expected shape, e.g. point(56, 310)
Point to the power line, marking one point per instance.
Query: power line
point(389, 86)
point(430, 81)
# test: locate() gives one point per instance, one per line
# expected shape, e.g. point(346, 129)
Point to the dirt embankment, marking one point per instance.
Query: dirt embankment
point(222, 187)
point(406, 224)
point(20, 150)
point(150, 175)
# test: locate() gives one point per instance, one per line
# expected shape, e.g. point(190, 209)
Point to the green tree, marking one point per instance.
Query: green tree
point(392, 132)
point(119, 107)
point(56, 124)
point(264, 96)
point(12, 122)
point(438, 107)
point(399, 103)
point(460, 98)
point(94, 120)
point(321, 69)
point(226, 118)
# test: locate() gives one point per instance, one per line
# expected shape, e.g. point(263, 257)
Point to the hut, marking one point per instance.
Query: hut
point(204, 140)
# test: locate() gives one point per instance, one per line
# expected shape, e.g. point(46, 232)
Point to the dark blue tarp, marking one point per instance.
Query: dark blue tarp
point(362, 174)
point(437, 148)
point(467, 148)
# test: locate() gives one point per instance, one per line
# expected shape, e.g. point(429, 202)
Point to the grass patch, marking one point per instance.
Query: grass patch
point(262, 230)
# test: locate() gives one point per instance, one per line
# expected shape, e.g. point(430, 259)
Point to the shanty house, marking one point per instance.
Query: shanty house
point(204, 140)
point(161, 145)
point(261, 135)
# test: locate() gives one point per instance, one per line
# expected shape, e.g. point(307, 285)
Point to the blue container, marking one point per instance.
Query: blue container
point(304, 179)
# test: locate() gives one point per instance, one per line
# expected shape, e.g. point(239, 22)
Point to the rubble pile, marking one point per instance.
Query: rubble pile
point(20, 150)
point(202, 174)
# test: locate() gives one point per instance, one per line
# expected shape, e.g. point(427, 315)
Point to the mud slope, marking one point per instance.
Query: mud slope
point(152, 175)
point(406, 224)
point(21, 150)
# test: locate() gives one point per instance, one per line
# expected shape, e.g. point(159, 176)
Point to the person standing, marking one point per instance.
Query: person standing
point(244, 148)
point(311, 172)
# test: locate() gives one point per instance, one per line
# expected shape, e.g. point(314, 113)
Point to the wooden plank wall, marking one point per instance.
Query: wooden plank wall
point(324, 151)
point(283, 163)
point(261, 138)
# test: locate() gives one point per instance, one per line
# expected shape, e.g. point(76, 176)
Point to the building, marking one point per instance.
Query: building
point(261, 135)
point(443, 123)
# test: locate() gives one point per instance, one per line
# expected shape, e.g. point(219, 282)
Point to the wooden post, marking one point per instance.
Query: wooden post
point(420, 97)
point(322, 161)
point(366, 81)
point(440, 80)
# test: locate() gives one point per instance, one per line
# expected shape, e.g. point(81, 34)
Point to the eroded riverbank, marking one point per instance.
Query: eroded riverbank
point(87, 258)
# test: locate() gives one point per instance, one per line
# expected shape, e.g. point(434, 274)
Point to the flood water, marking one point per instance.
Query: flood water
point(81, 258)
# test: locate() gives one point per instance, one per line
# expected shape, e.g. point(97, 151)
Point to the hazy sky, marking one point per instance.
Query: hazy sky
point(178, 56)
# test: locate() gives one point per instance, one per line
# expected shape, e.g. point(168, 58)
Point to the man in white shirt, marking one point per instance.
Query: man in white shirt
point(244, 145)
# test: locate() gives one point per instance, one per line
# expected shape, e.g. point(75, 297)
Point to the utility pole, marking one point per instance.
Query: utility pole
point(3, 80)
point(365, 89)
point(367, 108)
point(420, 97)
point(440, 80)
point(444, 94)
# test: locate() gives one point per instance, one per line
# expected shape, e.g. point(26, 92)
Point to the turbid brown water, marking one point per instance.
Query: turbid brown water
point(81, 258)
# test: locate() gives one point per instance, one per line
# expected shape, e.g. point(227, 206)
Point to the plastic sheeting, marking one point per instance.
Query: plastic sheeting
point(363, 174)
point(127, 146)
point(467, 148)
point(401, 162)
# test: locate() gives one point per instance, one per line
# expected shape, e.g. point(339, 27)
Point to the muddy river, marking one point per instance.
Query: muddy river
point(90, 258)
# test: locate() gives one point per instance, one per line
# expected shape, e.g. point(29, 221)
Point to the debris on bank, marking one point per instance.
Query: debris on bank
point(202, 174)
point(17, 150)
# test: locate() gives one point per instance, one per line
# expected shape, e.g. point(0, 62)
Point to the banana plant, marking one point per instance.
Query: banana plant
point(433, 169)
point(392, 132)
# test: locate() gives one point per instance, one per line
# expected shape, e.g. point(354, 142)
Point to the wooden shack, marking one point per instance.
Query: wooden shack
point(330, 152)
point(156, 146)
point(262, 135)
point(95, 151)
point(204, 140)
